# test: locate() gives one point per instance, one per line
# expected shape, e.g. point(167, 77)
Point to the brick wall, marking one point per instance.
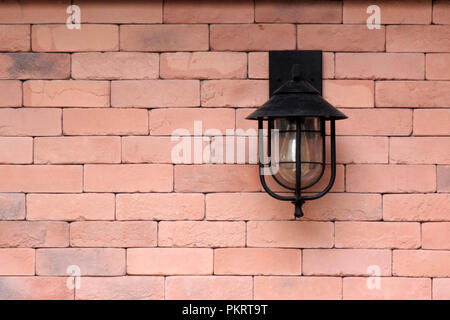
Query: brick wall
point(86, 176)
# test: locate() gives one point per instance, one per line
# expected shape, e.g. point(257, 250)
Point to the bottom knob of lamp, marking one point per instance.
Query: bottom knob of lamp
point(298, 213)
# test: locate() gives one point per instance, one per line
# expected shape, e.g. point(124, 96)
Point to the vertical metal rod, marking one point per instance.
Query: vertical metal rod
point(298, 170)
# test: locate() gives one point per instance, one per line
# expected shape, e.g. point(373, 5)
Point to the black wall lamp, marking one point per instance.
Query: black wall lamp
point(297, 110)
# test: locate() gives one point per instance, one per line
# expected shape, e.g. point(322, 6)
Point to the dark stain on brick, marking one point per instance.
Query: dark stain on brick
point(38, 65)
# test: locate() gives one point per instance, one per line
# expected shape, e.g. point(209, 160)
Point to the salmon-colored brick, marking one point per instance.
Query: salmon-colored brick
point(121, 288)
point(436, 235)
point(349, 93)
point(431, 38)
point(29, 11)
point(421, 263)
point(33, 234)
point(344, 206)
point(376, 122)
point(77, 150)
point(201, 234)
point(441, 13)
point(392, 12)
point(113, 234)
point(257, 261)
point(91, 261)
point(216, 178)
point(431, 122)
point(12, 206)
point(422, 150)
point(40, 178)
point(377, 235)
point(30, 65)
point(70, 207)
point(14, 37)
point(419, 94)
point(416, 207)
point(212, 11)
point(252, 37)
point(209, 288)
point(115, 65)
point(117, 11)
point(16, 150)
point(155, 93)
point(345, 262)
point(11, 92)
point(245, 124)
point(166, 121)
point(390, 178)
point(234, 93)
point(161, 206)
point(164, 38)
point(170, 261)
point(340, 38)
point(258, 65)
point(297, 288)
point(246, 206)
point(17, 262)
point(441, 289)
point(90, 37)
point(308, 11)
point(354, 149)
point(148, 149)
point(290, 234)
point(128, 178)
point(80, 93)
point(394, 288)
point(203, 65)
point(443, 178)
point(377, 66)
point(105, 121)
point(438, 66)
point(35, 288)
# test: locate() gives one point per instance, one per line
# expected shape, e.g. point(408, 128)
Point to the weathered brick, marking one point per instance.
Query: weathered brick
point(354, 149)
point(234, 93)
point(40, 178)
point(77, 150)
point(345, 262)
point(410, 38)
point(113, 234)
point(155, 93)
point(443, 178)
point(246, 124)
point(209, 288)
point(297, 288)
point(29, 11)
point(14, 37)
point(390, 178)
point(436, 235)
point(290, 234)
point(394, 288)
point(257, 261)
point(441, 13)
point(416, 207)
point(11, 92)
point(33, 234)
point(128, 178)
point(70, 207)
point(340, 38)
point(421, 263)
point(377, 235)
point(422, 150)
point(12, 206)
point(105, 121)
point(201, 234)
point(308, 11)
point(431, 122)
point(120, 288)
point(147, 149)
point(378, 66)
point(203, 65)
point(91, 261)
point(16, 262)
point(115, 65)
point(16, 150)
point(170, 261)
point(161, 206)
point(252, 37)
point(59, 38)
point(164, 38)
point(438, 66)
point(30, 122)
point(35, 288)
point(258, 65)
point(441, 289)
point(349, 93)
point(31, 65)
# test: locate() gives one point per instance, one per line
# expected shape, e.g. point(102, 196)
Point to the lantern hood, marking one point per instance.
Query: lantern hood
point(297, 98)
